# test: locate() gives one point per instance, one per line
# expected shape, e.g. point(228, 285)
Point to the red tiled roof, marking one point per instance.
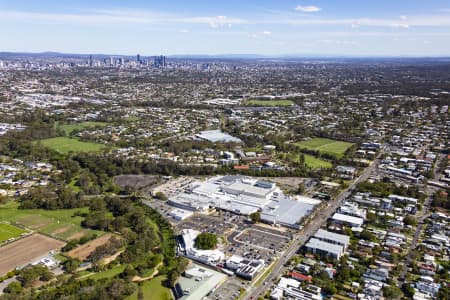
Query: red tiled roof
point(300, 277)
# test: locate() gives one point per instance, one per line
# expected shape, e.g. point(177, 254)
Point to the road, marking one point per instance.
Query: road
point(304, 234)
point(420, 218)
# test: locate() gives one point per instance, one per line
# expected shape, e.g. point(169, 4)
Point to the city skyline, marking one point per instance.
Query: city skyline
point(268, 28)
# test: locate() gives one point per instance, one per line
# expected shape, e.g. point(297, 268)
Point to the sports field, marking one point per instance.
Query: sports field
point(65, 145)
point(68, 128)
point(60, 223)
point(269, 102)
point(26, 250)
point(8, 231)
point(323, 145)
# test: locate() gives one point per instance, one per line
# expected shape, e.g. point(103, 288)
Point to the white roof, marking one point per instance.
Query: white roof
point(324, 246)
point(348, 219)
point(331, 236)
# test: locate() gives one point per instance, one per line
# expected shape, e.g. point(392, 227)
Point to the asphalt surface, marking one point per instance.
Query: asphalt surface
point(304, 234)
point(424, 213)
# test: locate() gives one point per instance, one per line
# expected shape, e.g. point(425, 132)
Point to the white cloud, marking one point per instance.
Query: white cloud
point(261, 34)
point(419, 21)
point(338, 42)
point(124, 17)
point(117, 17)
point(400, 25)
point(183, 31)
point(308, 8)
point(213, 22)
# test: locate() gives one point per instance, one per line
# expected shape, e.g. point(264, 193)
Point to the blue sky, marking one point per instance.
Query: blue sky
point(277, 27)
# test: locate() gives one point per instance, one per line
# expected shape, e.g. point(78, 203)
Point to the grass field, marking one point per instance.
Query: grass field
point(323, 145)
point(110, 273)
point(8, 231)
point(316, 163)
point(60, 223)
point(310, 161)
point(153, 290)
point(269, 102)
point(65, 145)
point(68, 128)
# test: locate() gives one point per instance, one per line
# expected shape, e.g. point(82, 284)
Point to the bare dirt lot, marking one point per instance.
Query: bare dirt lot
point(83, 251)
point(26, 250)
point(136, 182)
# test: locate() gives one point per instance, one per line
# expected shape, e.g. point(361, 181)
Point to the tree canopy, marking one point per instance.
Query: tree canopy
point(206, 241)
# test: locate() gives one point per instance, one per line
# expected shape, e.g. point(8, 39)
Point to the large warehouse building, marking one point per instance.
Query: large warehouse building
point(245, 195)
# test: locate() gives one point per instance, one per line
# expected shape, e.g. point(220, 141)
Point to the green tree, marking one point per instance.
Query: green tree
point(255, 217)
point(161, 196)
point(14, 287)
point(128, 273)
point(392, 292)
point(330, 289)
point(408, 290)
point(71, 265)
point(410, 220)
point(206, 241)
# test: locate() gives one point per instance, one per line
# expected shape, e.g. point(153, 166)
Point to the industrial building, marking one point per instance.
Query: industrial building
point(328, 244)
point(197, 282)
point(243, 267)
point(245, 195)
point(187, 248)
point(332, 238)
point(347, 220)
point(180, 214)
point(288, 288)
point(215, 136)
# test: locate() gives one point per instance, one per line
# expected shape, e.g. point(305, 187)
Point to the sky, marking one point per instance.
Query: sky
point(273, 28)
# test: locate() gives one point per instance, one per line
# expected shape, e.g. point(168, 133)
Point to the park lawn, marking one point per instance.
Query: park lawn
point(73, 185)
point(8, 231)
point(269, 102)
point(153, 290)
point(60, 222)
point(69, 128)
point(310, 161)
point(323, 145)
point(65, 145)
point(316, 163)
point(110, 273)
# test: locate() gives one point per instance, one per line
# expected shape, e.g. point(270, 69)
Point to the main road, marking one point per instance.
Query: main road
point(421, 216)
point(306, 232)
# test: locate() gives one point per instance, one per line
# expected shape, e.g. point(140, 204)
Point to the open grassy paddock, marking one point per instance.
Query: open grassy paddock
point(269, 102)
point(109, 273)
point(323, 145)
point(310, 161)
point(69, 128)
point(153, 290)
point(65, 145)
point(8, 231)
point(60, 223)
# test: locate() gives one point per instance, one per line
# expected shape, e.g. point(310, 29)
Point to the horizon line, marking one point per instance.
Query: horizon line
point(233, 55)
